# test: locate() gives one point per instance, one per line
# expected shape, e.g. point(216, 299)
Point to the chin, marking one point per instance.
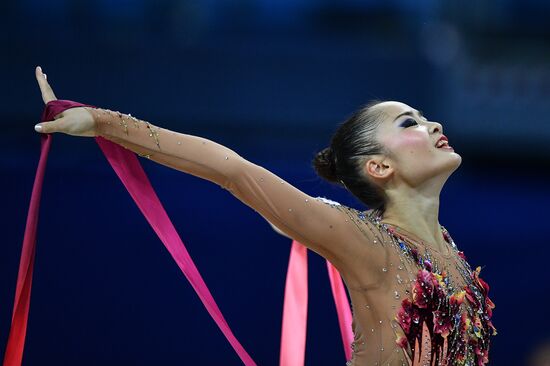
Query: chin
point(458, 157)
point(455, 162)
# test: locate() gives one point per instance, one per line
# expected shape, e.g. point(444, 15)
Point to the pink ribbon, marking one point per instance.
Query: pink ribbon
point(342, 308)
point(294, 324)
point(18, 330)
point(130, 172)
point(294, 328)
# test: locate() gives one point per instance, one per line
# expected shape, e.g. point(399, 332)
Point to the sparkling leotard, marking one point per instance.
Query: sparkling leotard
point(411, 305)
point(423, 307)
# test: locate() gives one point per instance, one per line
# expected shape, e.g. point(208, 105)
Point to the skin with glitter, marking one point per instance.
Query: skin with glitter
point(415, 298)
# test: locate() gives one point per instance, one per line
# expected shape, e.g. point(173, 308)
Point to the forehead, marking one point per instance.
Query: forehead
point(392, 109)
point(389, 111)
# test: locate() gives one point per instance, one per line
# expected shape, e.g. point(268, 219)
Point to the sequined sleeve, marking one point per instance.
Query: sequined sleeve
point(324, 228)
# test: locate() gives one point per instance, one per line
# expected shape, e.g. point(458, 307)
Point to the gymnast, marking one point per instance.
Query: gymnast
point(415, 298)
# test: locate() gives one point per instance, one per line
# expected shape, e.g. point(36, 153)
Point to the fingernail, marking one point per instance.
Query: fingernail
point(38, 128)
point(45, 76)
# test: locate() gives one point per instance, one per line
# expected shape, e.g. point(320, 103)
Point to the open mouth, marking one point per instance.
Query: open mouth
point(443, 144)
point(446, 147)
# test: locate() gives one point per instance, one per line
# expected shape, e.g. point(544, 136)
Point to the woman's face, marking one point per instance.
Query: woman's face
point(411, 140)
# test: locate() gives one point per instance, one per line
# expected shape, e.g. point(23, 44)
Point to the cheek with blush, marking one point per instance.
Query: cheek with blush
point(409, 144)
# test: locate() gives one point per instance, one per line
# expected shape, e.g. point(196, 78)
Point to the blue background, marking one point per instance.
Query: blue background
point(271, 80)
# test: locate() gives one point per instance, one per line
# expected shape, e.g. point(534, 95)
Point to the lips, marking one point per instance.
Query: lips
point(442, 142)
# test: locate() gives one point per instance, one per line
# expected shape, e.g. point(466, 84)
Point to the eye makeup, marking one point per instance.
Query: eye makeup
point(408, 122)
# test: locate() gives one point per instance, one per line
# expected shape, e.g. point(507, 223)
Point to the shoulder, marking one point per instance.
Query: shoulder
point(364, 248)
point(361, 219)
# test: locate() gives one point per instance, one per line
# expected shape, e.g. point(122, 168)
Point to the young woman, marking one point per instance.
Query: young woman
point(415, 299)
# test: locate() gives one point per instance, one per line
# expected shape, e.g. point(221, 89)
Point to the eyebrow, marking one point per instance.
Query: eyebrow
point(408, 113)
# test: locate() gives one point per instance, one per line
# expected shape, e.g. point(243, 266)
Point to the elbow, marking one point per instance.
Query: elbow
point(234, 172)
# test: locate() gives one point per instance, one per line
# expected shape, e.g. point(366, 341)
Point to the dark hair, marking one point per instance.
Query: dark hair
point(352, 143)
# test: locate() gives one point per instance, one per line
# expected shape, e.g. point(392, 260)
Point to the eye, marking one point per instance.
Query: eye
point(409, 122)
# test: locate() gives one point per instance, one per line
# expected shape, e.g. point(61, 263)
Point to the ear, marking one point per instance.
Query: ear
point(379, 168)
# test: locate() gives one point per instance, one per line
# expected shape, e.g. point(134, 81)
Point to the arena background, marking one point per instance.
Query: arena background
point(271, 80)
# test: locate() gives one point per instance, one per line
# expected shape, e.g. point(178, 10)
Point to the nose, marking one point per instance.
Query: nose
point(436, 126)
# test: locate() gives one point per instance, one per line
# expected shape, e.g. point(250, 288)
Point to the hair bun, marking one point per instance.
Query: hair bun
point(325, 165)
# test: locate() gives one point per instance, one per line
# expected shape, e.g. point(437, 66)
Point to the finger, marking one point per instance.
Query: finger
point(45, 88)
point(50, 127)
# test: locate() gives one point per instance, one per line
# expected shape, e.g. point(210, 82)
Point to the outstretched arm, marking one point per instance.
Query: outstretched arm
point(322, 227)
point(319, 226)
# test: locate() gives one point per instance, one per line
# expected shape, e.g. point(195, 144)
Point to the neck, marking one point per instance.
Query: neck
point(417, 213)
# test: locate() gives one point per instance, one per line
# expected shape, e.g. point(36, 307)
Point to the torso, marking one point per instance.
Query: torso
point(395, 306)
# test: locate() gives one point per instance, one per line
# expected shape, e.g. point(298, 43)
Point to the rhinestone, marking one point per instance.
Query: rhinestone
point(307, 200)
point(384, 269)
point(179, 142)
point(289, 210)
point(227, 158)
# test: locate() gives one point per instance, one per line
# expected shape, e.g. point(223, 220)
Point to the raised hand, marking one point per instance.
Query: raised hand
point(74, 121)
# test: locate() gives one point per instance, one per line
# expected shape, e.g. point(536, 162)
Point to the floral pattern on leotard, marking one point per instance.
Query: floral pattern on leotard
point(442, 323)
point(454, 336)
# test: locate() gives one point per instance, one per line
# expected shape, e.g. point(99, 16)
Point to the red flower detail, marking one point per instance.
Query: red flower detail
point(406, 314)
point(402, 342)
point(432, 306)
point(483, 286)
point(443, 322)
point(426, 289)
point(483, 356)
point(484, 289)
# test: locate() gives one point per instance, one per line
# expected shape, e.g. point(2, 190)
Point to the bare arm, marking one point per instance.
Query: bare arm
point(322, 227)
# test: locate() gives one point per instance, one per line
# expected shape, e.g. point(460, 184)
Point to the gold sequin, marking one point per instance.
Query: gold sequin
point(123, 123)
point(135, 120)
point(154, 133)
point(148, 156)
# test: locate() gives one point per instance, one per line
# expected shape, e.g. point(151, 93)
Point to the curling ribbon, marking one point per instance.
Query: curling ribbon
point(294, 328)
point(130, 172)
point(342, 308)
point(18, 330)
point(294, 324)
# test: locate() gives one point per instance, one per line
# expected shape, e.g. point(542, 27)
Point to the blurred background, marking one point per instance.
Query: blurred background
point(271, 80)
